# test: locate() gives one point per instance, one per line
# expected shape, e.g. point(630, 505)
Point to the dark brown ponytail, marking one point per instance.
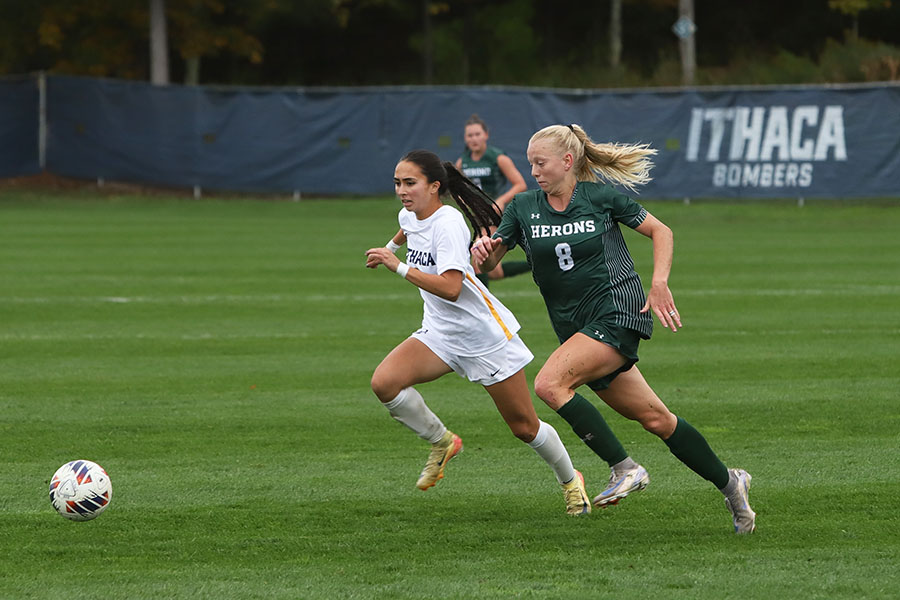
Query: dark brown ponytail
point(479, 208)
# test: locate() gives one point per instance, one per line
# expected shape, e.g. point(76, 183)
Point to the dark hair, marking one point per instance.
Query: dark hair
point(479, 208)
point(476, 120)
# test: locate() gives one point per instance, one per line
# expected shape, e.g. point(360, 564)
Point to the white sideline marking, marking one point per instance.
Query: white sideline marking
point(209, 299)
point(848, 290)
point(38, 337)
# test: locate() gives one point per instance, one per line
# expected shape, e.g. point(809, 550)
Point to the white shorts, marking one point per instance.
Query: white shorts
point(486, 369)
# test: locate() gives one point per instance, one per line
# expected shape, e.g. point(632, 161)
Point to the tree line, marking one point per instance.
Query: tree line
point(604, 43)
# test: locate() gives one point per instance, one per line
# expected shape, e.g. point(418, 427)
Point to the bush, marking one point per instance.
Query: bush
point(860, 60)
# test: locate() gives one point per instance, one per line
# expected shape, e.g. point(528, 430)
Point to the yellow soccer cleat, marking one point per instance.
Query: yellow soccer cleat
point(577, 502)
point(441, 452)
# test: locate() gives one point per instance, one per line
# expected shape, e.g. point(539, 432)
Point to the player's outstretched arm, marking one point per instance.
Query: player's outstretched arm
point(447, 285)
point(659, 298)
point(488, 252)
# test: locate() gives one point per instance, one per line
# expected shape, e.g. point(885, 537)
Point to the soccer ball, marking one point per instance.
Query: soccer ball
point(80, 490)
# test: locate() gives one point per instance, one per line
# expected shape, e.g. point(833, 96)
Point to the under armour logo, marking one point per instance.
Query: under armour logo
point(588, 437)
point(535, 215)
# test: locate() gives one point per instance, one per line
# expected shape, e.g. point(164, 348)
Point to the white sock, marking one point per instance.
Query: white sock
point(625, 465)
point(548, 445)
point(409, 408)
point(730, 489)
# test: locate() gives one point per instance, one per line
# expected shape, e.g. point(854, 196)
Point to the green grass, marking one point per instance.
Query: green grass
point(214, 356)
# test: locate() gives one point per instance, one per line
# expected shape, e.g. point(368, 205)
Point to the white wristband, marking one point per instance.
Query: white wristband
point(402, 270)
point(392, 246)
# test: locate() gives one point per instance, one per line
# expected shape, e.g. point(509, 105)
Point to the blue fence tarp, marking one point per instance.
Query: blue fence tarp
point(19, 120)
point(811, 141)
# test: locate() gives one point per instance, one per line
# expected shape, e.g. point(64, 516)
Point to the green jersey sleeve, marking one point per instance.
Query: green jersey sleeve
point(627, 211)
point(510, 229)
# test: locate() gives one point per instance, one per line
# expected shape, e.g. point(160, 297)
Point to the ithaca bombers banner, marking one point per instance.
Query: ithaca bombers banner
point(805, 142)
point(823, 141)
point(811, 142)
point(766, 146)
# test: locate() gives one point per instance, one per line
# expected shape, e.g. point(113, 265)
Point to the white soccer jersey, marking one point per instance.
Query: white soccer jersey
point(477, 323)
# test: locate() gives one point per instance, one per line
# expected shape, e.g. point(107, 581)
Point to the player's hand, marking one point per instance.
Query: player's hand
point(661, 302)
point(381, 256)
point(483, 247)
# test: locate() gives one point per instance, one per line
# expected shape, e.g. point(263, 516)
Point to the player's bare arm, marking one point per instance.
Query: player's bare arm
point(399, 238)
point(659, 298)
point(447, 285)
point(487, 252)
point(516, 181)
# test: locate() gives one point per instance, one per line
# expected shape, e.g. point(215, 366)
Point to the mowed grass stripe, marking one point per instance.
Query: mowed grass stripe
point(855, 291)
point(214, 356)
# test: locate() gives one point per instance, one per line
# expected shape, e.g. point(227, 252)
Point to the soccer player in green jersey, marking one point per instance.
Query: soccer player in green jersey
point(491, 169)
point(569, 229)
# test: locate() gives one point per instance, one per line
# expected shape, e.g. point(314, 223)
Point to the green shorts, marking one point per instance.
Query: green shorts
point(626, 341)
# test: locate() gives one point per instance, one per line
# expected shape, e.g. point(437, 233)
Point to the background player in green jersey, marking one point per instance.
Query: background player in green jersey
point(491, 169)
point(570, 232)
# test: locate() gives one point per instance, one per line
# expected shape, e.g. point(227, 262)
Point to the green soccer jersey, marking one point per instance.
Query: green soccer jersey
point(579, 258)
point(485, 172)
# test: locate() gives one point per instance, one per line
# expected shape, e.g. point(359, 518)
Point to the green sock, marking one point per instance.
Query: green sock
point(515, 267)
point(589, 425)
point(483, 278)
point(691, 448)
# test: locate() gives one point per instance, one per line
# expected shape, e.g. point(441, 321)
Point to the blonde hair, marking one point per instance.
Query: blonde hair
point(626, 164)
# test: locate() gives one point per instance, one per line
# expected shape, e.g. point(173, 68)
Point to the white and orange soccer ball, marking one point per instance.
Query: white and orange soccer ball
point(80, 490)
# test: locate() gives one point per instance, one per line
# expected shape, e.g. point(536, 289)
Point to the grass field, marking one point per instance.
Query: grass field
point(214, 356)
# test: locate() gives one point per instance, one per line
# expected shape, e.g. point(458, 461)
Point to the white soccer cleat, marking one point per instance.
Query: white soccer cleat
point(632, 480)
point(739, 504)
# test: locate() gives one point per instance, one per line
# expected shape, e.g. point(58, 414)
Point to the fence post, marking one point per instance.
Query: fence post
point(42, 120)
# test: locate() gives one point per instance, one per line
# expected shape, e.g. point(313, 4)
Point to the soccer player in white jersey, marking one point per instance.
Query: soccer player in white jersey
point(464, 329)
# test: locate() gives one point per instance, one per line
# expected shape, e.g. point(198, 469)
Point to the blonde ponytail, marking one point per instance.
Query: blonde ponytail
point(625, 164)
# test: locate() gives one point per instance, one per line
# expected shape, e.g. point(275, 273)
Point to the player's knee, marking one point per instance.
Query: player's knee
point(542, 387)
point(657, 422)
point(549, 391)
point(383, 387)
point(524, 430)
